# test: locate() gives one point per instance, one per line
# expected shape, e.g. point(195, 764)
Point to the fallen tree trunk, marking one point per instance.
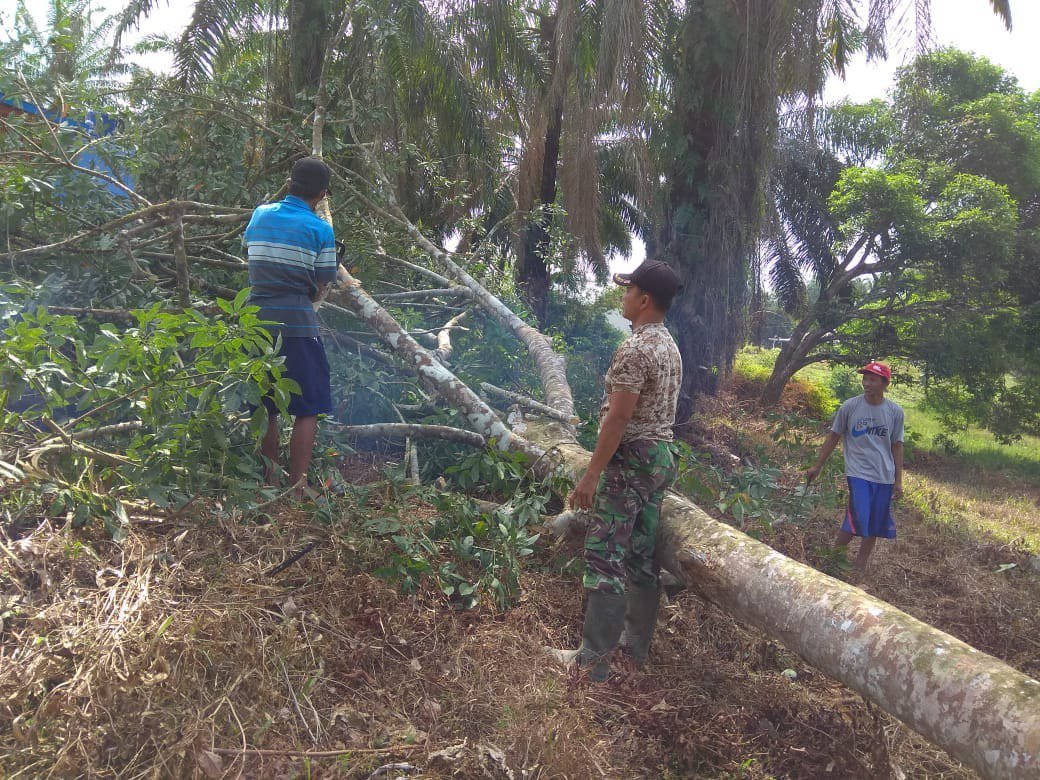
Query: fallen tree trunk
point(976, 707)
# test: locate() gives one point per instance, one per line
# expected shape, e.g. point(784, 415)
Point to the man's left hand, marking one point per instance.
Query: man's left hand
point(897, 490)
point(584, 494)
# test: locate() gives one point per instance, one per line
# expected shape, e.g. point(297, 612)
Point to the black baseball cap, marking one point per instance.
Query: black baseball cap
point(311, 175)
point(654, 277)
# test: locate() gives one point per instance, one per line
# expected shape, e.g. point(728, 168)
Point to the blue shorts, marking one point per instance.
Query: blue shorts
point(307, 364)
point(869, 512)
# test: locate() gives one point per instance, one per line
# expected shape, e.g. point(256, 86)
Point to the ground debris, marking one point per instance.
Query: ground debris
point(172, 654)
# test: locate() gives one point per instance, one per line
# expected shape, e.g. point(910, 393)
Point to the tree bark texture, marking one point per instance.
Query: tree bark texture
point(973, 705)
point(722, 135)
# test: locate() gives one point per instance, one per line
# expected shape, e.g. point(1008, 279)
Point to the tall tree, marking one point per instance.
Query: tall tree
point(586, 118)
point(940, 232)
point(735, 65)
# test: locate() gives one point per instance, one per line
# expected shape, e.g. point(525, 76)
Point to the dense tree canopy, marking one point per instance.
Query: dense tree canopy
point(940, 225)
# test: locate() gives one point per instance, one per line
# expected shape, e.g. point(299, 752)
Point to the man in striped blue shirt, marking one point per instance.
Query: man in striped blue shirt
point(292, 259)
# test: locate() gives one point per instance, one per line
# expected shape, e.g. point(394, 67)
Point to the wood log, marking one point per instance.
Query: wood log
point(976, 707)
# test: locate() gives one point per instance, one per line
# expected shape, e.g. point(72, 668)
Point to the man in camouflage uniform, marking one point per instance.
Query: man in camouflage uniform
point(631, 467)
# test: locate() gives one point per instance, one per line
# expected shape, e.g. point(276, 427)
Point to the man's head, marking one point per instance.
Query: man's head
point(654, 280)
point(309, 179)
point(875, 374)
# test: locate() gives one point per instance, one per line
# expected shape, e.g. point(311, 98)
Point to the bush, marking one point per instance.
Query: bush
point(819, 399)
point(151, 410)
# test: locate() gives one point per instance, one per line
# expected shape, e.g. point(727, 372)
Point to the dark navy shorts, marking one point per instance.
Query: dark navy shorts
point(307, 364)
point(870, 509)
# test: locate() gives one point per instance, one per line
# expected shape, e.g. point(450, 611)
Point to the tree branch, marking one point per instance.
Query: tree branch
point(430, 372)
point(528, 403)
point(551, 367)
point(414, 431)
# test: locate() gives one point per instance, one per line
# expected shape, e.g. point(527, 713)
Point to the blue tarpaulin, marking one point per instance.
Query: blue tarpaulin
point(94, 125)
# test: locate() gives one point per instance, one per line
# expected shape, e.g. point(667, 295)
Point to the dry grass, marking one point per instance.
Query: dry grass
point(146, 659)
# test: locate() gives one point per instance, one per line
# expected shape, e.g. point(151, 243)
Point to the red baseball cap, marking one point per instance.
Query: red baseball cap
point(873, 367)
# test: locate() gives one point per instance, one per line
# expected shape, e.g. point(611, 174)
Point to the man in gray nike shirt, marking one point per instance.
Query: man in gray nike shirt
point(871, 430)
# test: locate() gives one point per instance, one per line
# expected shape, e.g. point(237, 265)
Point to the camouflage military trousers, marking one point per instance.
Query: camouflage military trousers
point(621, 535)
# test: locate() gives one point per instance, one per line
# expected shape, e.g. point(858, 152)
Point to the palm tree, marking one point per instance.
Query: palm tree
point(591, 107)
point(738, 66)
point(296, 55)
point(71, 51)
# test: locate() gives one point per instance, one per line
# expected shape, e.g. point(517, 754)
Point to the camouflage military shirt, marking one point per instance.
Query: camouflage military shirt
point(648, 363)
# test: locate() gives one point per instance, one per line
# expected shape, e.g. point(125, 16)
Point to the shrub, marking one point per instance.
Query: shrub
point(149, 410)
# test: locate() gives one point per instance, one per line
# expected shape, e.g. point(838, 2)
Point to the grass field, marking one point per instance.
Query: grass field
point(974, 447)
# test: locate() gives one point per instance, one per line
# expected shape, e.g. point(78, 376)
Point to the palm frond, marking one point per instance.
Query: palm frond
point(503, 44)
point(129, 17)
point(213, 24)
point(532, 159)
point(1002, 8)
point(879, 12)
point(614, 232)
point(785, 276)
point(624, 57)
point(841, 34)
point(580, 185)
point(565, 36)
point(439, 73)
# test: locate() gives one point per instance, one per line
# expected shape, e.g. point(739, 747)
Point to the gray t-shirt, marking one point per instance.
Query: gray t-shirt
point(868, 432)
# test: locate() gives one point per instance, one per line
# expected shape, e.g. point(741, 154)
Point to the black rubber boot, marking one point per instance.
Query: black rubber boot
point(604, 621)
point(640, 620)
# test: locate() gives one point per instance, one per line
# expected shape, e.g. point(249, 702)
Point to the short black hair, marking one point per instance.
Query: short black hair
point(661, 305)
point(310, 178)
point(303, 191)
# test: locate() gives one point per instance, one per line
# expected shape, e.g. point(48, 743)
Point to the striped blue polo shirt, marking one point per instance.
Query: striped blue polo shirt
point(291, 251)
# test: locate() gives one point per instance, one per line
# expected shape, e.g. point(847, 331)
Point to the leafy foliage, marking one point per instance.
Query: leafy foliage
point(936, 231)
point(470, 553)
point(151, 410)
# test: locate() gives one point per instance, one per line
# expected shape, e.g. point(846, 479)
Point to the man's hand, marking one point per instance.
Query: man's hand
point(897, 489)
point(584, 494)
point(811, 474)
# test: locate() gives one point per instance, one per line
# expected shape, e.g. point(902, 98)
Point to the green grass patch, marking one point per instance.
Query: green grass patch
point(826, 386)
point(755, 364)
point(975, 445)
